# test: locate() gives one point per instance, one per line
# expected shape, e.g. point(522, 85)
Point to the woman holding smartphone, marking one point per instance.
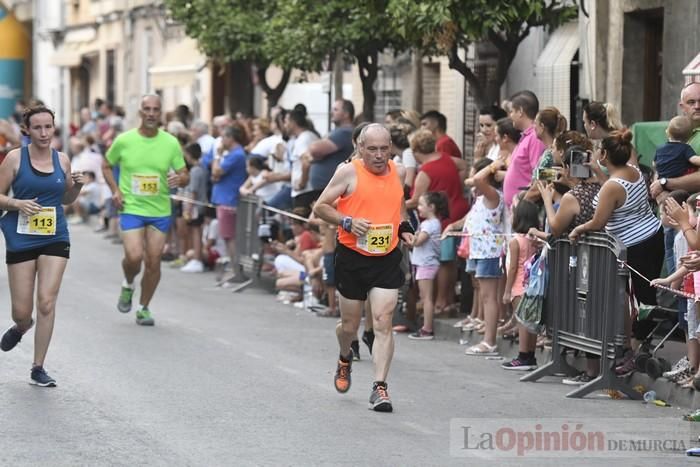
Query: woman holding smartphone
point(622, 208)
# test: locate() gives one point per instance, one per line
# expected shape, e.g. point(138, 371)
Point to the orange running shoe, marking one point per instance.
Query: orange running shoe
point(342, 378)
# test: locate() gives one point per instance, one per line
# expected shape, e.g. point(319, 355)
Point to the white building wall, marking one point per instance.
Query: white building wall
point(47, 78)
point(521, 75)
point(553, 73)
point(315, 100)
point(452, 101)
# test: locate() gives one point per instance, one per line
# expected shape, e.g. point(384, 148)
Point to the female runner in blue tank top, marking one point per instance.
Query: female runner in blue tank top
point(36, 234)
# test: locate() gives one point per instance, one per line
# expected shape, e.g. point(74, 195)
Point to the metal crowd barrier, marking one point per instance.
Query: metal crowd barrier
point(249, 254)
point(584, 307)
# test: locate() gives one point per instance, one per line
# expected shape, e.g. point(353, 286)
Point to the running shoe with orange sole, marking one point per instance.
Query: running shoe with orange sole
point(342, 378)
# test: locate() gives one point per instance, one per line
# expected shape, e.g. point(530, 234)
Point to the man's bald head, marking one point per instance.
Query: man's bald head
point(150, 100)
point(150, 112)
point(373, 130)
point(374, 146)
point(692, 87)
point(220, 122)
point(690, 103)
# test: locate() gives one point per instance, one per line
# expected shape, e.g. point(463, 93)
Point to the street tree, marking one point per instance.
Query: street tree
point(310, 34)
point(444, 27)
point(233, 31)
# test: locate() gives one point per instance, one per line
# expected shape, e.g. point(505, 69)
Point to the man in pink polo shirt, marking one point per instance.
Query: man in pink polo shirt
point(526, 155)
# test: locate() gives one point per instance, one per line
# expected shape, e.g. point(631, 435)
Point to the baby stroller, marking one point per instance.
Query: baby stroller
point(661, 320)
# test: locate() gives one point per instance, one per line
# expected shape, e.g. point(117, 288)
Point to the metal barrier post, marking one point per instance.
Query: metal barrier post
point(249, 256)
point(610, 323)
point(586, 298)
point(605, 303)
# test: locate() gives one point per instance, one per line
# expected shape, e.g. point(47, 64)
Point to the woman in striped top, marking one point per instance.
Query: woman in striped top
point(622, 207)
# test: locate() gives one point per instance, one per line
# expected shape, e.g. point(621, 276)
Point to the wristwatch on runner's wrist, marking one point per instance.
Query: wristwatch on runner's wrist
point(662, 182)
point(346, 224)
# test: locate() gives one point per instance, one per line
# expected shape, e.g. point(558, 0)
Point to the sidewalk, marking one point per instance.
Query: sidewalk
point(665, 390)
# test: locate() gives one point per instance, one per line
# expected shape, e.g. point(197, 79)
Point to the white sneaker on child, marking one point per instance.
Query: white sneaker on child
point(193, 265)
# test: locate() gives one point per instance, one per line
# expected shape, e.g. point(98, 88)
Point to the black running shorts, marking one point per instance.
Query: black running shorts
point(61, 249)
point(357, 274)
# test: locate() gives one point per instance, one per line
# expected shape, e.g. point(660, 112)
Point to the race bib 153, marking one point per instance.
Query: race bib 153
point(145, 185)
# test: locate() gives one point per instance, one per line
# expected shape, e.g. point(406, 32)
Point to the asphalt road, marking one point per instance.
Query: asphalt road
point(240, 379)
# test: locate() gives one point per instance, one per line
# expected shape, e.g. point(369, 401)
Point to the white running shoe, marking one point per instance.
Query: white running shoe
point(193, 265)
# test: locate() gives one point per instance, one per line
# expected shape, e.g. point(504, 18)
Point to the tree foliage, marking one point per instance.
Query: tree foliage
point(443, 27)
point(308, 34)
point(232, 31)
point(311, 33)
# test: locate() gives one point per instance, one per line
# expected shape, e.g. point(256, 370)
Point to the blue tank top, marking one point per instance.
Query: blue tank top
point(49, 188)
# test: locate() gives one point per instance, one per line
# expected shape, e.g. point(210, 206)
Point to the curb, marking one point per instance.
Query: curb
point(665, 390)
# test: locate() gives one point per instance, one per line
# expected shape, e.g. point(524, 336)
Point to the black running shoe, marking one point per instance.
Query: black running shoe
point(12, 337)
point(355, 346)
point(520, 365)
point(368, 339)
point(379, 399)
point(39, 377)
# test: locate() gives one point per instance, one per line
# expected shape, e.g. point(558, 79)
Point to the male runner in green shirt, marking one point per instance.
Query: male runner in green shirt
point(150, 162)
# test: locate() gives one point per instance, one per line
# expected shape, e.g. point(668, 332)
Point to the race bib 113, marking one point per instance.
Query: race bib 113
point(41, 223)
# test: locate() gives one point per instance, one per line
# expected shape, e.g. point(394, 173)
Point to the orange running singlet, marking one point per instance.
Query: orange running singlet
point(377, 198)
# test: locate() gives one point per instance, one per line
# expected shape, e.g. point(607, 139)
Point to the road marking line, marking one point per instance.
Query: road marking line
point(254, 355)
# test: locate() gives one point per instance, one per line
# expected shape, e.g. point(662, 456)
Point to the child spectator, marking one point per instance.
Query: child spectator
point(328, 244)
point(425, 257)
point(679, 277)
point(90, 199)
point(676, 157)
point(194, 213)
point(682, 214)
point(520, 250)
point(257, 170)
point(313, 265)
point(485, 227)
point(214, 246)
point(289, 263)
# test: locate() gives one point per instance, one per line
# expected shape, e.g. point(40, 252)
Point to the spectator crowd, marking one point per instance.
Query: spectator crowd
point(480, 226)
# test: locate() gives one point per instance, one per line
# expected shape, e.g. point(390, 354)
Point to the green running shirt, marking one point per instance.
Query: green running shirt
point(143, 171)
